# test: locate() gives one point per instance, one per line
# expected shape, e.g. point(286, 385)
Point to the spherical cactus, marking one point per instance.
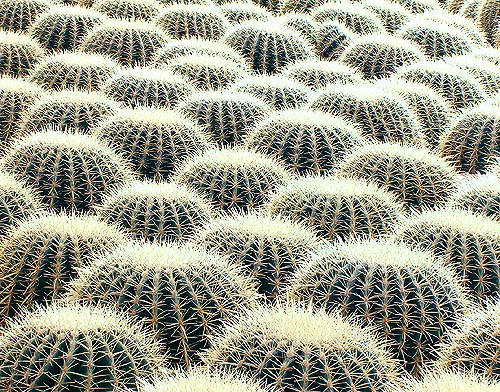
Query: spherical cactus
point(18, 15)
point(460, 88)
point(302, 24)
point(74, 109)
point(40, 256)
point(232, 178)
point(337, 208)
point(268, 47)
point(407, 296)
point(378, 112)
point(128, 42)
point(277, 91)
point(392, 15)
point(154, 141)
point(332, 39)
point(73, 70)
point(269, 249)
point(207, 72)
point(418, 178)
point(300, 6)
point(70, 171)
point(379, 56)
point(64, 27)
point(487, 73)
point(226, 116)
point(183, 293)
point(75, 348)
point(18, 53)
point(472, 140)
point(293, 349)
point(418, 6)
point(306, 141)
point(149, 87)
point(486, 53)
point(467, 242)
point(319, 74)
point(182, 21)
point(479, 194)
point(272, 6)
point(146, 10)
point(470, 9)
point(487, 19)
point(186, 2)
point(242, 12)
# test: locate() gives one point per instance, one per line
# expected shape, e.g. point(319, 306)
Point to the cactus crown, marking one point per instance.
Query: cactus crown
point(486, 72)
point(128, 9)
point(238, 12)
point(20, 14)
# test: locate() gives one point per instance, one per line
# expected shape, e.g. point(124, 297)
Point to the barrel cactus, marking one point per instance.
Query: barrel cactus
point(301, 23)
point(18, 15)
point(487, 20)
point(331, 40)
point(486, 72)
point(19, 53)
point(419, 6)
point(486, 53)
point(300, 6)
point(238, 12)
point(146, 10)
point(392, 14)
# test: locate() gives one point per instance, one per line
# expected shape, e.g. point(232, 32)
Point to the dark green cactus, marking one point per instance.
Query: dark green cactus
point(331, 40)
point(237, 12)
point(392, 14)
point(146, 10)
point(419, 6)
point(18, 53)
point(486, 72)
point(487, 20)
point(18, 15)
point(299, 6)
point(302, 24)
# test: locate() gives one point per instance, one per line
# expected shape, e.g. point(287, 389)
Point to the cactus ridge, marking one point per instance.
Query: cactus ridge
point(20, 14)
point(146, 10)
point(238, 12)
point(331, 40)
point(484, 71)
point(392, 14)
point(19, 53)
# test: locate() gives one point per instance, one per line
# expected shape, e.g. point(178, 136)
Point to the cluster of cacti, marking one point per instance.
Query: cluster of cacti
point(486, 73)
point(19, 53)
point(129, 9)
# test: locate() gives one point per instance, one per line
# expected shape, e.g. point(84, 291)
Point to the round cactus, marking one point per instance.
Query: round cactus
point(479, 194)
point(70, 171)
point(332, 39)
point(277, 91)
point(418, 6)
point(299, 6)
point(319, 74)
point(41, 255)
point(392, 15)
point(418, 178)
point(269, 249)
point(306, 141)
point(224, 115)
point(64, 27)
point(470, 9)
point(183, 293)
point(486, 53)
point(154, 141)
point(73, 70)
point(486, 72)
point(337, 208)
point(379, 113)
point(467, 242)
point(405, 295)
point(268, 47)
point(18, 53)
point(182, 21)
point(147, 87)
point(18, 15)
point(130, 43)
point(75, 348)
point(232, 178)
point(379, 56)
point(293, 349)
point(185, 2)
point(242, 12)
point(272, 6)
point(146, 10)
point(302, 24)
point(487, 19)
point(75, 109)
point(472, 140)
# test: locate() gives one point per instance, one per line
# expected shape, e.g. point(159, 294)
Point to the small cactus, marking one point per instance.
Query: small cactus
point(302, 24)
point(306, 141)
point(487, 19)
point(75, 348)
point(238, 12)
point(337, 208)
point(392, 14)
point(182, 293)
point(232, 178)
point(269, 249)
point(146, 10)
point(331, 40)
point(470, 244)
point(18, 15)
point(486, 72)
point(18, 53)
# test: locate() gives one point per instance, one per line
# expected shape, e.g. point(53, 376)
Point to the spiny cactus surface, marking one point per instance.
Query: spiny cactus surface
point(18, 15)
point(146, 10)
point(19, 53)
point(331, 40)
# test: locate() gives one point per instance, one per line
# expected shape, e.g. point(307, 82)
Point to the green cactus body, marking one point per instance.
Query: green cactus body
point(331, 40)
point(75, 348)
point(18, 15)
point(487, 19)
point(486, 72)
point(302, 24)
point(418, 6)
point(306, 141)
point(392, 15)
point(337, 208)
point(300, 6)
point(272, 6)
point(241, 12)
point(182, 293)
point(146, 10)
point(470, 244)
point(70, 171)
point(18, 54)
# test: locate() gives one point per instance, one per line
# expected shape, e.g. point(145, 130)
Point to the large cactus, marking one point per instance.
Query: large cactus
point(146, 10)
point(18, 15)
point(331, 40)
point(18, 53)
point(486, 72)
point(392, 14)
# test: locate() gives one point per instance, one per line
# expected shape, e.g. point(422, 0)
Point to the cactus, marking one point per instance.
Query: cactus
point(232, 178)
point(379, 113)
point(306, 141)
point(277, 91)
point(407, 296)
point(379, 56)
point(18, 15)
point(70, 171)
point(146, 86)
point(293, 349)
point(185, 2)
point(268, 47)
point(299, 6)
point(63, 28)
point(418, 6)
point(272, 6)
point(484, 71)
point(487, 20)
point(470, 244)
point(41, 255)
point(226, 116)
point(73, 109)
point(75, 348)
point(18, 53)
point(146, 10)
point(269, 249)
point(460, 88)
point(470, 9)
point(392, 15)
point(181, 21)
point(472, 140)
point(479, 194)
point(242, 12)
point(337, 208)
point(154, 141)
point(486, 53)
point(332, 39)
point(130, 43)
point(73, 70)
point(319, 74)
point(302, 24)
point(418, 178)
point(181, 292)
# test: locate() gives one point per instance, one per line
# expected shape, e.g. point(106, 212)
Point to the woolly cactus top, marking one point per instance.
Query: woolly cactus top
point(18, 85)
point(79, 59)
point(268, 81)
point(206, 60)
point(224, 95)
point(75, 97)
point(148, 73)
point(150, 116)
point(12, 38)
point(72, 11)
